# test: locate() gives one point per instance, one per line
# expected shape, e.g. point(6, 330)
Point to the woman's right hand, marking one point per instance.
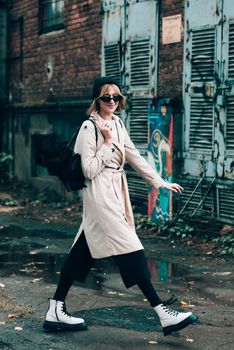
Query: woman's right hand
point(106, 130)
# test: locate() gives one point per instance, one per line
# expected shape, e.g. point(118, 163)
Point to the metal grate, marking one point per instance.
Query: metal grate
point(140, 62)
point(209, 206)
point(201, 124)
point(139, 119)
point(231, 52)
point(230, 124)
point(203, 50)
point(112, 61)
point(226, 204)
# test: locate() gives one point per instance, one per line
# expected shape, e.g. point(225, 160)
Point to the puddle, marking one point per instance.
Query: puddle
point(21, 258)
point(24, 252)
point(165, 271)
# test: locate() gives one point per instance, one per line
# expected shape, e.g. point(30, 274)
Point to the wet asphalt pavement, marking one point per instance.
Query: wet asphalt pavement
point(31, 256)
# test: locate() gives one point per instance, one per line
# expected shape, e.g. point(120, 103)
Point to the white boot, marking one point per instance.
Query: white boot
point(57, 318)
point(172, 320)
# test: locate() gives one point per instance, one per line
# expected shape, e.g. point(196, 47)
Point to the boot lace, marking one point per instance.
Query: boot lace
point(170, 312)
point(64, 311)
point(173, 299)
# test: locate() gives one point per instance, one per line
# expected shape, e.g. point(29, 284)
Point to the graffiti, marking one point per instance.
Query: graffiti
point(160, 157)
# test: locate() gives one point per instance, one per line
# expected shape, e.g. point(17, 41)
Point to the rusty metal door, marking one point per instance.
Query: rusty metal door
point(209, 96)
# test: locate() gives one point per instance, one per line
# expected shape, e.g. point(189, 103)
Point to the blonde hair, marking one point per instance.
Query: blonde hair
point(94, 107)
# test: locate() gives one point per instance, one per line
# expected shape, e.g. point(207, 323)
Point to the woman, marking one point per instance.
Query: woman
point(107, 227)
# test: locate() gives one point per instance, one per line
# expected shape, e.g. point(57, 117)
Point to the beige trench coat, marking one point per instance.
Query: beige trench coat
point(108, 221)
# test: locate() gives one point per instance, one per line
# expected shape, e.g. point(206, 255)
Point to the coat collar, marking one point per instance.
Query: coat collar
point(95, 115)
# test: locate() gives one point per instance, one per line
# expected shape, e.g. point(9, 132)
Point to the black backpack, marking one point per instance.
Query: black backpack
point(57, 155)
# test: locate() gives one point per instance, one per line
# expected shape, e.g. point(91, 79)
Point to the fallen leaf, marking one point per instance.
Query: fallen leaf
point(2, 285)
point(189, 340)
point(17, 328)
point(35, 280)
point(2, 323)
point(11, 316)
point(32, 252)
point(184, 303)
point(221, 274)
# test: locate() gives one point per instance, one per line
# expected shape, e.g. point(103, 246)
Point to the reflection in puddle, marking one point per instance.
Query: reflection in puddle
point(26, 259)
point(164, 271)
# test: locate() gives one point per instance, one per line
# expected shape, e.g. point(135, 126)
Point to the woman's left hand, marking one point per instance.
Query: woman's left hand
point(173, 187)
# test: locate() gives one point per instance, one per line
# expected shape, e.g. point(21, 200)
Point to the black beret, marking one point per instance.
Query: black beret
point(102, 81)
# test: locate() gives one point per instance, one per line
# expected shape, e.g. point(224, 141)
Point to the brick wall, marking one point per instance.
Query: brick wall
point(170, 55)
point(58, 65)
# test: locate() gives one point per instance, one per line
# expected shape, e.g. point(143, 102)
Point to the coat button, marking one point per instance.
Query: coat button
point(112, 149)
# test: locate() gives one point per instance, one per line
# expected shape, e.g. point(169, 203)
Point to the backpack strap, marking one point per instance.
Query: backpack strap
point(71, 143)
point(95, 127)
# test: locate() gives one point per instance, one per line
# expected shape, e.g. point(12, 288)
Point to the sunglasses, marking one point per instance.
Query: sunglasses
point(107, 99)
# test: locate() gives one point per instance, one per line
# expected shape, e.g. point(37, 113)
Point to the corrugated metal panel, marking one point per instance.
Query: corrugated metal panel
point(138, 119)
point(203, 50)
point(140, 62)
point(226, 203)
point(230, 124)
point(137, 188)
point(231, 52)
point(201, 124)
point(112, 61)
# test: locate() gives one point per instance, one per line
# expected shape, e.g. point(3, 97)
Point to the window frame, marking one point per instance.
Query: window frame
point(44, 27)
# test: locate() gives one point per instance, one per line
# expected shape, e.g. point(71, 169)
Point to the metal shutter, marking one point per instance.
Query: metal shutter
point(230, 124)
point(230, 99)
point(203, 51)
point(137, 188)
point(138, 120)
point(140, 62)
point(201, 124)
point(112, 61)
point(225, 203)
point(231, 52)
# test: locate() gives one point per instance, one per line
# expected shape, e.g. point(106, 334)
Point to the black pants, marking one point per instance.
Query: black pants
point(132, 266)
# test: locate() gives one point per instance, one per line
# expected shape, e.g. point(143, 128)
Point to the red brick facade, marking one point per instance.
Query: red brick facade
point(59, 65)
point(170, 60)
